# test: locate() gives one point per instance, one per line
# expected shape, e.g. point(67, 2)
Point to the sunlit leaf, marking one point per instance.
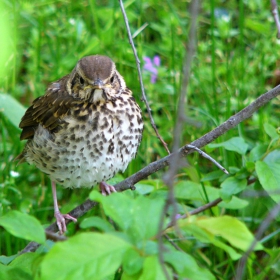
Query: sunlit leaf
point(118, 206)
point(131, 213)
point(153, 270)
point(21, 268)
point(202, 234)
point(231, 229)
point(23, 226)
point(132, 262)
point(84, 256)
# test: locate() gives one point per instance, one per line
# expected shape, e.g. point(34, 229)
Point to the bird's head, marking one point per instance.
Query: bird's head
point(94, 79)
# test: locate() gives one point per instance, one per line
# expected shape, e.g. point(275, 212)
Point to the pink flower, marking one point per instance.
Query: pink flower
point(151, 66)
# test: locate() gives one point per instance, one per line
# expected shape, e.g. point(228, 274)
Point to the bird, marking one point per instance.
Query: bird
point(85, 129)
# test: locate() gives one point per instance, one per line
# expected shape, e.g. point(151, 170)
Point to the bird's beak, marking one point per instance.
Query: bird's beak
point(98, 84)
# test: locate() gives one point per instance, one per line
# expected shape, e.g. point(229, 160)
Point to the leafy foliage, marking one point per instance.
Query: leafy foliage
point(23, 226)
point(236, 61)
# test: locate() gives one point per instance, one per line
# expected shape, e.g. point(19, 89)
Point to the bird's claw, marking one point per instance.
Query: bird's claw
point(60, 221)
point(106, 189)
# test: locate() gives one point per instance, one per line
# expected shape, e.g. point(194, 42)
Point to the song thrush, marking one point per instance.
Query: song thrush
point(85, 129)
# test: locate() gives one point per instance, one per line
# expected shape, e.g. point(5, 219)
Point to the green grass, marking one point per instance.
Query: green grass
point(236, 59)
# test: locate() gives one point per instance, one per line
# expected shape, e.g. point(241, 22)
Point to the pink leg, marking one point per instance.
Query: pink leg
point(60, 218)
point(106, 189)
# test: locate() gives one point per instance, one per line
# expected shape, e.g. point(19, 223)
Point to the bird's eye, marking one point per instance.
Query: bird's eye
point(112, 79)
point(82, 81)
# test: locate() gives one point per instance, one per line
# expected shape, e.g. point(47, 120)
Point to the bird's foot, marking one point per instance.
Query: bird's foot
point(60, 221)
point(106, 189)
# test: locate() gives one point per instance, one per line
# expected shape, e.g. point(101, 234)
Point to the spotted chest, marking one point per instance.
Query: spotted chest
point(92, 144)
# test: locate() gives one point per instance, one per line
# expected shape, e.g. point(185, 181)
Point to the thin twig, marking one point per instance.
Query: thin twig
point(172, 242)
point(208, 157)
point(155, 166)
point(196, 211)
point(175, 165)
point(274, 11)
point(262, 228)
point(204, 207)
point(144, 98)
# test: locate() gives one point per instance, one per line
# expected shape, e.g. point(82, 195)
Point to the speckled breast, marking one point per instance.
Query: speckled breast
point(93, 143)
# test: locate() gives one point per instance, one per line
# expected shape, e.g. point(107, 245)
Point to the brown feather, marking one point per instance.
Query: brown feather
point(48, 109)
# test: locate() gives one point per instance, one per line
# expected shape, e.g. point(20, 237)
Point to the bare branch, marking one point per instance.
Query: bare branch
point(175, 165)
point(54, 236)
point(274, 11)
point(233, 121)
point(196, 211)
point(144, 98)
point(204, 207)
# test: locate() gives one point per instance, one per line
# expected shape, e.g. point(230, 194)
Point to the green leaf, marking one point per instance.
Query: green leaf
point(214, 175)
point(153, 270)
point(231, 229)
point(118, 206)
point(257, 152)
point(7, 259)
point(268, 174)
point(143, 188)
point(23, 226)
point(125, 276)
point(97, 222)
point(271, 131)
point(132, 262)
point(13, 273)
point(232, 186)
point(25, 261)
point(11, 109)
point(21, 268)
point(84, 256)
point(235, 144)
point(194, 191)
point(234, 203)
point(150, 247)
point(189, 225)
point(141, 226)
point(258, 26)
point(131, 213)
point(186, 266)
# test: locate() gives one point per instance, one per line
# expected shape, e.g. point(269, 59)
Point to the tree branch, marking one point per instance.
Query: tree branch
point(262, 228)
point(153, 167)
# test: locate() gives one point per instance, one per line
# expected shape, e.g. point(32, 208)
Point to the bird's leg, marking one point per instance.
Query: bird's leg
point(106, 189)
point(60, 218)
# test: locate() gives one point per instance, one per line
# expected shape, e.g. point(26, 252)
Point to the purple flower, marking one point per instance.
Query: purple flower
point(151, 66)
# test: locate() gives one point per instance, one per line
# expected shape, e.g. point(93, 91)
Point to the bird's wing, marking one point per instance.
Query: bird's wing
point(47, 110)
